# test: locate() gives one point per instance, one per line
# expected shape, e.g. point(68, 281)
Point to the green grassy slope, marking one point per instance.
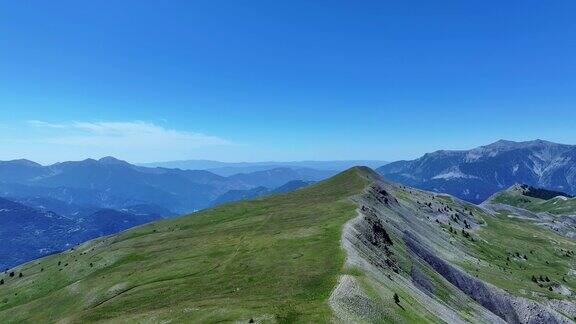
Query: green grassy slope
point(276, 258)
point(508, 251)
point(558, 206)
point(513, 250)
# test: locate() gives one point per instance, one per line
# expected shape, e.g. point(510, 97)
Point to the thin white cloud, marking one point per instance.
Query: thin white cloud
point(39, 123)
point(137, 137)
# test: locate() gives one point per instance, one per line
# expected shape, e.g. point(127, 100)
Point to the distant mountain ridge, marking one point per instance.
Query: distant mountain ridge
point(236, 195)
point(232, 168)
point(116, 184)
point(476, 174)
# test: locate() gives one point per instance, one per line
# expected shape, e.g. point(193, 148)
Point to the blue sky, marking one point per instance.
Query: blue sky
point(292, 80)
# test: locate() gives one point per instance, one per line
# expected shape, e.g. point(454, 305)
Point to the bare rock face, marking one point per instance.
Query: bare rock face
point(379, 237)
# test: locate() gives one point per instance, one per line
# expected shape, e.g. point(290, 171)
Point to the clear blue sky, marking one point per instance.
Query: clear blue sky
point(282, 80)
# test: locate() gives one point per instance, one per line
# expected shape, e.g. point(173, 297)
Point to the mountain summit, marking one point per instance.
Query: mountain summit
point(110, 160)
point(476, 174)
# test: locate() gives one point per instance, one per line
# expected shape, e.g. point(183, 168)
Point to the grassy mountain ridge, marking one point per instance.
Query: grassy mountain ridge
point(275, 258)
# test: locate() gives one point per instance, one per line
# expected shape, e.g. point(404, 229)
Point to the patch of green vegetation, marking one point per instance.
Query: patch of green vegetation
point(271, 259)
point(511, 251)
point(558, 205)
point(354, 271)
point(445, 199)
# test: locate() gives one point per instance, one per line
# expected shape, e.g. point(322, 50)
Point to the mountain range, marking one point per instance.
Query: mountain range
point(51, 208)
point(231, 168)
point(354, 248)
point(474, 175)
point(116, 184)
